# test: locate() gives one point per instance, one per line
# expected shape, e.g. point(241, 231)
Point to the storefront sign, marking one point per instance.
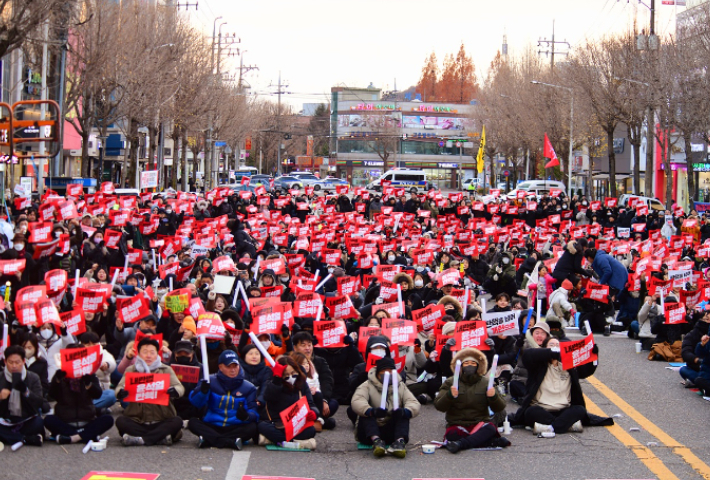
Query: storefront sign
point(372, 106)
point(373, 163)
point(701, 167)
point(448, 165)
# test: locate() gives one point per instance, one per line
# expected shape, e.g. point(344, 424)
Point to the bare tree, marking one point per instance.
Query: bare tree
point(21, 19)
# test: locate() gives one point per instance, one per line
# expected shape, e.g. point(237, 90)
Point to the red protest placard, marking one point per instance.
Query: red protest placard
point(112, 238)
point(427, 317)
point(186, 373)
point(306, 305)
point(77, 362)
point(363, 336)
point(276, 264)
point(599, 293)
point(471, 334)
point(294, 418)
point(348, 285)
point(132, 309)
point(12, 267)
point(272, 292)
point(340, 306)
point(45, 250)
point(31, 294)
point(577, 353)
point(56, 280)
point(400, 332)
point(330, 333)
point(394, 310)
point(674, 313)
point(47, 312)
point(74, 321)
point(209, 325)
point(25, 313)
point(224, 263)
point(147, 388)
point(267, 318)
point(89, 300)
point(448, 277)
point(388, 291)
point(40, 232)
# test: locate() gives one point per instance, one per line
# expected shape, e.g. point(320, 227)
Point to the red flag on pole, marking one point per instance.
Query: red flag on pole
point(549, 152)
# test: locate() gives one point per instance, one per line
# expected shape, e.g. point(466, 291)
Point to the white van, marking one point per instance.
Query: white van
point(651, 203)
point(248, 170)
point(414, 180)
point(540, 187)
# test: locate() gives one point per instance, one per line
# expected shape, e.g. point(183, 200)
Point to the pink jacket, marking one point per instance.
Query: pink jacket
point(549, 287)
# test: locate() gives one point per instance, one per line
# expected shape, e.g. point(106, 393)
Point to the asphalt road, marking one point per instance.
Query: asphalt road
point(640, 394)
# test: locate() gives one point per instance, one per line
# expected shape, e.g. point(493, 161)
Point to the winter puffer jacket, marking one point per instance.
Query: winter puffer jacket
point(569, 263)
point(75, 403)
point(369, 395)
point(471, 405)
point(223, 403)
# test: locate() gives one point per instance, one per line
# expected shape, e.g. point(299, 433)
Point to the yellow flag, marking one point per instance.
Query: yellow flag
point(480, 165)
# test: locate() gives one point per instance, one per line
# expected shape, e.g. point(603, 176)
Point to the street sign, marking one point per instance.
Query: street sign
point(220, 144)
point(120, 476)
point(506, 173)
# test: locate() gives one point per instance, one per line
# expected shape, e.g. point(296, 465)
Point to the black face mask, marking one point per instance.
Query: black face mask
point(470, 374)
point(183, 360)
point(469, 371)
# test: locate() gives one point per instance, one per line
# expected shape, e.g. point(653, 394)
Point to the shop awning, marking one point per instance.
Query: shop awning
point(605, 176)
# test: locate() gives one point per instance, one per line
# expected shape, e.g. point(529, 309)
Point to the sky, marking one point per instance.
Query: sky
point(317, 44)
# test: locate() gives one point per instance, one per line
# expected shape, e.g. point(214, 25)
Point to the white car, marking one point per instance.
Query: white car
point(306, 178)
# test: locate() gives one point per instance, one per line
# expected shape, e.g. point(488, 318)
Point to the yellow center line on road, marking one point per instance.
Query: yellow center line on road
point(647, 457)
point(679, 449)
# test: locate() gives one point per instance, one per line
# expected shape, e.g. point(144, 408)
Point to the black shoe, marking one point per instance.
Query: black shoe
point(329, 423)
point(34, 440)
point(379, 448)
point(453, 447)
point(423, 399)
point(202, 443)
point(500, 442)
point(607, 330)
point(397, 449)
point(63, 439)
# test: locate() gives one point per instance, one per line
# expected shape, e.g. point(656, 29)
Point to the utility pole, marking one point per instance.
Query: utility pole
point(550, 45)
point(209, 148)
point(242, 70)
point(278, 123)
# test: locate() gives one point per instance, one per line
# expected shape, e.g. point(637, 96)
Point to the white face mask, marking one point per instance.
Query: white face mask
point(19, 246)
point(330, 269)
point(265, 343)
point(506, 261)
point(391, 258)
point(418, 283)
point(378, 352)
point(292, 379)
point(284, 279)
point(46, 334)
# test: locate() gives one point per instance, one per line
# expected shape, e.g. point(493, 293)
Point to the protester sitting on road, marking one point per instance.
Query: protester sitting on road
point(21, 402)
point(379, 426)
point(184, 355)
point(303, 343)
point(255, 370)
point(75, 416)
point(534, 337)
point(468, 421)
point(702, 350)
point(230, 400)
point(287, 386)
point(145, 423)
point(692, 361)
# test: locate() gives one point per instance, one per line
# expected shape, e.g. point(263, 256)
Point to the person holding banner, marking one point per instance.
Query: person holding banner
point(52, 343)
point(21, 402)
point(554, 402)
point(184, 362)
point(534, 337)
point(148, 423)
point(384, 421)
point(466, 400)
point(610, 271)
point(231, 410)
point(108, 365)
point(287, 386)
point(75, 417)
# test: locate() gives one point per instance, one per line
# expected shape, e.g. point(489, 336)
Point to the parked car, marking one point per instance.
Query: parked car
point(471, 184)
point(286, 182)
point(652, 203)
point(329, 183)
point(306, 178)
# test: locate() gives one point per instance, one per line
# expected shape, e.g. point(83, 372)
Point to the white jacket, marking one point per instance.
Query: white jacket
point(105, 376)
point(644, 320)
point(560, 299)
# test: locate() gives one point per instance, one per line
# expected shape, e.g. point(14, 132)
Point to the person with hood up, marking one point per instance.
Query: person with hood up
point(378, 426)
point(570, 263)
point(452, 307)
point(377, 346)
point(560, 305)
point(501, 278)
point(254, 369)
point(231, 407)
point(468, 420)
point(184, 355)
point(534, 337)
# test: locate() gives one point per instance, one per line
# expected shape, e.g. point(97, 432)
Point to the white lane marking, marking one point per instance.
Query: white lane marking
point(238, 465)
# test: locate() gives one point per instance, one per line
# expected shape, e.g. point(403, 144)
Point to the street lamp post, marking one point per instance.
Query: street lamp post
point(571, 127)
point(102, 138)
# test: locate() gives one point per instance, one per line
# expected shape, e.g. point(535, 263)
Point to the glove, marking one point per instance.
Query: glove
point(499, 270)
point(242, 413)
point(295, 328)
point(451, 342)
point(348, 340)
point(205, 387)
point(555, 353)
point(121, 394)
point(311, 416)
point(595, 349)
point(490, 342)
point(285, 332)
point(370, 412)
point(173, 393)
point(278, 370)
point(86, 380)
point(60, 375)
point(495, 277)
point(211, 295)
point(380, 413)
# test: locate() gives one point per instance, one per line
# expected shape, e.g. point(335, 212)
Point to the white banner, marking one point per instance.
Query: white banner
point(502, 323)
point(149, 179)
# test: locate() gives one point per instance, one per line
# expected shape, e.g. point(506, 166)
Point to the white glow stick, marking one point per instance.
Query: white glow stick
point(539, 308)
point(260, 347)
point(483, 305)
point(113, 280)
point(256, 270)
point(315, 276)
point(76, 281)
point(155, 264)
point(5, 339)
point(467, 299)
point(395, 391)
point(457, 373)
point(125, 266)
point(494, 367)
point(319, 311)
point(86, 449)
point(588, 327)
point(399, 300)
point(171, 283)
point(422, 376)
point(328, 277)
point(385, 383)
point(663, 307)
point(205, 366)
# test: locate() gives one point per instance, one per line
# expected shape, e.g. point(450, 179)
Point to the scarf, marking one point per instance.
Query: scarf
point(143, 367)
point(15, 399)
point(230, 384)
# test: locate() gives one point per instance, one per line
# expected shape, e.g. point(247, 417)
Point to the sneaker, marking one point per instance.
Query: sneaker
point(202, 443)
point(576, 427)
point(264, 441)
point(397, 449)
point(541, 427)
point(453, 447)
point(168, 441)
point(379, 448)
point(63, 439)
point(310, 444)
point(34, 440)
point(131, 441)
point(423, 399)
point(329, 423)
point(500, 442)
point(238, 444)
